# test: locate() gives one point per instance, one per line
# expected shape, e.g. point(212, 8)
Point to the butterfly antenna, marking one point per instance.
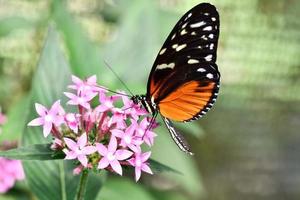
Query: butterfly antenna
point(109, 67)
point(114, 91)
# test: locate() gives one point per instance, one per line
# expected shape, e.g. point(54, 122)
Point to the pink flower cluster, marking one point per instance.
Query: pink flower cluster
point(106, 132)
point(10, 172)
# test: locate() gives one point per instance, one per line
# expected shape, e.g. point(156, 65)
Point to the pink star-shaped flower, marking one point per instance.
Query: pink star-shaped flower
point(80, 100)
point(128, 139)
point(85, 87)
point(48, 118)
point(118, 118)
point(107, 102)
point(72, 121)
point(140, 164)
point(78, 150)
point(111, 155)
point(132, 109)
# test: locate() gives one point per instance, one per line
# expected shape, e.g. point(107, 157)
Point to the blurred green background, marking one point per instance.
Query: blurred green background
point(247, 147)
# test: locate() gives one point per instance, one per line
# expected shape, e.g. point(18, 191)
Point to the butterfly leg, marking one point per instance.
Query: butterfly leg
point(177, 137)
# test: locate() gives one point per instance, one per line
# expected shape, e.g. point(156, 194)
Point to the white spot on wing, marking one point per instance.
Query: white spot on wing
point(210, 75)
point(193, 61)
point(208, 57)
point(196, 25)
point(174, 46)
point(211, 36)
point(173, 36)
point(208, 28)
point(201, 70)
point(162, 51)
point(213, 19)
point(164, 66)
point(184, 25)
point(211, 47)
point(180, 47)
point(183, 32)
point(193, 33)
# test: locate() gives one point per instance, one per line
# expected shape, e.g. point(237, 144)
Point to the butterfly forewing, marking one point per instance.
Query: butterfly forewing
point(184, 79)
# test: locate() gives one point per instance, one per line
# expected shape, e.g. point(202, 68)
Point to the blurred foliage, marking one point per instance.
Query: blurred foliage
point(249, 142)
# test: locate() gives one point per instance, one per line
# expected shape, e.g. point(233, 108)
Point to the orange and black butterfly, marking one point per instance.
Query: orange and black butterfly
point(184, 81)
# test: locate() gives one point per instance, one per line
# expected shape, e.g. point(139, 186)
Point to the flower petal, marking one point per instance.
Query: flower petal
point(146, 156)
point(137, 173)
point(40, 109)
point(76, 80)
point(117, 133)
point(82, 140)
point(55, 108)
point(103, 163)
point(83, 160)
point(47, 128)
point(92, 79)
point(123, 154)
point(146, 168)
point(116, 166)
point(101, 149)
point(89, 150)
point(70, 155)
point(71, 144)
point(112, 146)
point(36, 122)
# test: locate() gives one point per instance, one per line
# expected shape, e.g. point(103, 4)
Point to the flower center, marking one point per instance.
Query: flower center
point(48, 118)
point(127, 139)
point(110, 156)
point(80, 100)
point(138, 163)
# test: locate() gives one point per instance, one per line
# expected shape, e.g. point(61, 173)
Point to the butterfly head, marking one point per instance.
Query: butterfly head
point(150, 106)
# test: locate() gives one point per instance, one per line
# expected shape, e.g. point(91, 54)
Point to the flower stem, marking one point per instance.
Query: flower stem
point(82, 185)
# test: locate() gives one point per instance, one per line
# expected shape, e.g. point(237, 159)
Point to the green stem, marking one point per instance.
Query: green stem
point(82, 185)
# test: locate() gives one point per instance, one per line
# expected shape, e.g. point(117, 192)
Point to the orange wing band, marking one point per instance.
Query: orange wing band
point(186, 101)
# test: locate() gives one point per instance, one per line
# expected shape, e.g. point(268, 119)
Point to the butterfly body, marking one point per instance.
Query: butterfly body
point(184, 81)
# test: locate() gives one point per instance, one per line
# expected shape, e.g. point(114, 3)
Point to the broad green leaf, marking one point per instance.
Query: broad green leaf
point(165, 151)
point(49, 179)
point(13, 128)
point(34, 152)
point(122, 188)
point(158, 167)
point(85, 57)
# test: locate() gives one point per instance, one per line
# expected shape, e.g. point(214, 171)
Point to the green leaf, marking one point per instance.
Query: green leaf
point(122, 188)
point(13, 128)
point(85, 56)
point(34, 152)
point(166, 152)
point(49, 180)
point(158, 167)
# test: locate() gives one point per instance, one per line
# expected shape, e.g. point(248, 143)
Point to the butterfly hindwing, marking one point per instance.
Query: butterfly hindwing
point(184, 79)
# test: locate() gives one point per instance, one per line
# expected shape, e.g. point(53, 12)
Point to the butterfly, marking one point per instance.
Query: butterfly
point(184, 81)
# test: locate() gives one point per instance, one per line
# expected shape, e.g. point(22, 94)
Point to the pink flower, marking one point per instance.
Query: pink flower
point(2, 118)
point(118, 118)
point(83, 101)
point(111, 155)
point(132, 109)
point(107, 103)
point(48, 118)
point(128, 139)
point(72, 121)
point(79, 150)
point(139, 162)
point(87, 87)
point(10, 172)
